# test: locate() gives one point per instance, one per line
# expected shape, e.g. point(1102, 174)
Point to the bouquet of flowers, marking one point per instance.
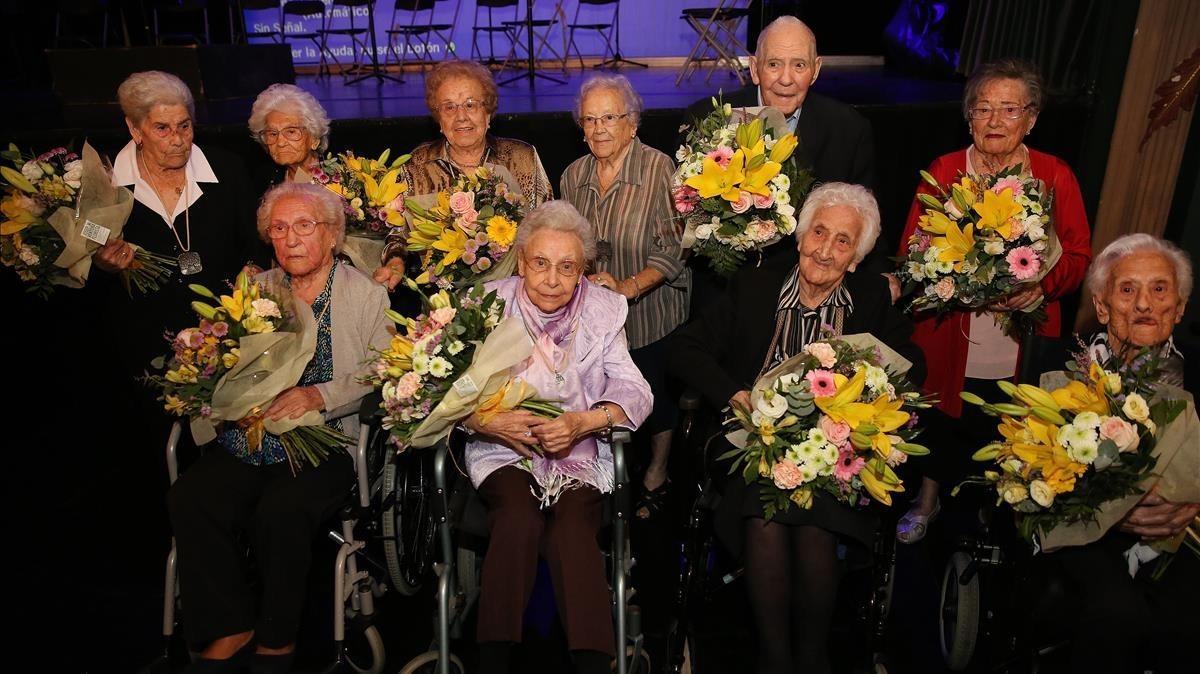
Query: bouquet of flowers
point(57, 210)
point(1086, 438)
point(837, 419)
point(450, 361)
point(374, 194)
point(979, 240)
point(464, 236)
point(737, 185)
point(246, 350)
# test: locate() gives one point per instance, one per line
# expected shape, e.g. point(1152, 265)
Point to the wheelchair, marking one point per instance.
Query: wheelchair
point(699, 577)
point(358, 645)
point(439, 503)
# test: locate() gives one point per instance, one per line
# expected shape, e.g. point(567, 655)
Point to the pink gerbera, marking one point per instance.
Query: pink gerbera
point(722, 155)
point(821, 382)
point(849, 464)
point(1023, 262)
point(1009, 183)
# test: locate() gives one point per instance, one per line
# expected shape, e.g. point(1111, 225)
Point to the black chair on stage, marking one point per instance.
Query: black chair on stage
point(356, 30)
point(496, 14)
point(425, 23)
point(717, 40)
point(605, 29)
point(174, 12)
point(266, 31)
point(541, 34)
point(71, 15)
point(303, 12)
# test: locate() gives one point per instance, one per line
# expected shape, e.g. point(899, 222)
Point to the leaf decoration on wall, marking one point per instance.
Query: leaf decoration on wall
point(1177, 93)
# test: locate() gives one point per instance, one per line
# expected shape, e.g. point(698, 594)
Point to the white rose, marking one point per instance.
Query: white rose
point(29, 256)
point(1135, 408)
point(1013, 492)
point(1034, 230)
point(789, 379)
point(1041, 493)
point(74, 171)
point(772, 405)
point(1112, 382)
point(32, 171)
point(704, 231)
point(994, 247)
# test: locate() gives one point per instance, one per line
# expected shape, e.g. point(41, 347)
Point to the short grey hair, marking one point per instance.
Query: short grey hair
point(843, 194)
point(290, 99)
point(618, 83)
point(1100, 273)
point(559, 216)
point(785, 20)
point(140, 92)
point(329, 207)
point(1003, 69)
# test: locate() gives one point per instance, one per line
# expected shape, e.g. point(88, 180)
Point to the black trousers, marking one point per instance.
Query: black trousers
point(1127, 624)
point(220, 503)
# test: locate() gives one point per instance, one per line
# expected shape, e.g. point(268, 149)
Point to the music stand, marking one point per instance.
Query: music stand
point(617, 59)
point(530, 72)
point(373, 69)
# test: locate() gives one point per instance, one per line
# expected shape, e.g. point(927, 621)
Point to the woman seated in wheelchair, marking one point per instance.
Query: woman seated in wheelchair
point(233, 492)
point(769, 313)
point(543, 480)
point(1139, 286)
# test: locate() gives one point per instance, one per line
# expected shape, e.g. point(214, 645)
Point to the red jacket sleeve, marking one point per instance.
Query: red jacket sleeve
point(1074, 234)
point(944, 173)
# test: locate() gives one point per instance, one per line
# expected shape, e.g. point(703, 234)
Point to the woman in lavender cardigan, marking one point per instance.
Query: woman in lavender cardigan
point(543, 480)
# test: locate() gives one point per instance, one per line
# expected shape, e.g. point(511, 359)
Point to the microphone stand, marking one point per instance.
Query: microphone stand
point(373, 69)
point(617, 59)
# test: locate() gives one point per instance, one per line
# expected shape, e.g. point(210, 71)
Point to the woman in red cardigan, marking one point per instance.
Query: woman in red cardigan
point(967, 350)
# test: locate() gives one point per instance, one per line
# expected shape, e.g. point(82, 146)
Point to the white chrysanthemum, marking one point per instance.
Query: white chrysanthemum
point(808, 472)
point(917, 271)
point(817, 435)
point(420, 362)
point(829, 454)
point(1084, 453)
point(1089, 420)
point(783, 182)
point(455, 347)
point(439, 367)
point(1073, 436)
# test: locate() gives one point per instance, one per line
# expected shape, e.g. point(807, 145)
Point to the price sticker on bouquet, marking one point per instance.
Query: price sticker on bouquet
point(93, 232)
point(465, 386)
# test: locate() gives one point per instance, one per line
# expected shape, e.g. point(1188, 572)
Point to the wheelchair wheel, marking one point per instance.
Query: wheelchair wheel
point(427, 663)
point(959, 614)
point(364, 650)
point(408, 527)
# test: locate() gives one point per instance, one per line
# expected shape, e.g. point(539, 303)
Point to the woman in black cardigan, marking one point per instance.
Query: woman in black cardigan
point(768, 314)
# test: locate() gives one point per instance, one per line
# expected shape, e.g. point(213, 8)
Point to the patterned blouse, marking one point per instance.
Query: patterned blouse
point(796, 325)
point(318, 371)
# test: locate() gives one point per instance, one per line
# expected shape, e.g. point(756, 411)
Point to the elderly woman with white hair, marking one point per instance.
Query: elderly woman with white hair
point(255, 491)
point(1139, 286)
point(191, 205)
point(543, 480)
point(623, 187)
point(768, 314)
point(292, 127)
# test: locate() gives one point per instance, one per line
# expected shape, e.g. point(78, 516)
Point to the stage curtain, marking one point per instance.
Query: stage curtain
point(1060, 36)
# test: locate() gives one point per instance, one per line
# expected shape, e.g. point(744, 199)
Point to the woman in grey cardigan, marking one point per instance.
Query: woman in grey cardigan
point(254, 491)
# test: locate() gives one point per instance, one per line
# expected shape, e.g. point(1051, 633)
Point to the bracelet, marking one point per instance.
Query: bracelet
point(636, 285)
point(608, 426)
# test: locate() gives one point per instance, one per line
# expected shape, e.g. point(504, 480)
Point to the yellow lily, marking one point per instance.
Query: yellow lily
point(17, 218)
point(842, 405)
point(888, 418)
point(996, 211)
point(1077, 397)
point(880, 487)
point(717, 181)
point(453, 243)
point(758, 177)
point(935, 222)
point(784, 147)
point(234, 305)
point(955, 245)
point(387, 189)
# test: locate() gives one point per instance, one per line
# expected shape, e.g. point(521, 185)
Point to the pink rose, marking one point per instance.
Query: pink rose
point(836, 431)
point(764, 202)
point(467, 220)
point(821, 382)
point(1023, 262)
point(944, 288)
point(952, 209)
point(1121, 432)
point(722, 155)
point(744, 202)
point(786, 475)
point(823, 352)
point(461, 202)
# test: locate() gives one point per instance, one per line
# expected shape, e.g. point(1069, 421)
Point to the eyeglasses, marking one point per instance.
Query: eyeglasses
point(609, 120)
point(1006, 111)
point(271, 136)
point(566, 268)
point(183, 128)
point(279, 230)
point(471, 106)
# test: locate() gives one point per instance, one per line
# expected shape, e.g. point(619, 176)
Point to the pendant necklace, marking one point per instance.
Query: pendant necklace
point(188, 260)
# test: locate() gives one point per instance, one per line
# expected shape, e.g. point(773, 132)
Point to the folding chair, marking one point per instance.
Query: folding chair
point(77, 13)
point(496, 25)
point(257, 6)
point(356, 30)
point(175, 9)
point(307, 9)
point(717, 40)
point(424, 24)
point(541, 34)
point(605, 29)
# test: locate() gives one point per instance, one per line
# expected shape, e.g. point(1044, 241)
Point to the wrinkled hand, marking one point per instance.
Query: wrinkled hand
point(1019, 300)
point(559, 435)
point(606, 280)
point(114, 256)
point(741, 401)
point(294, 402)
point(1155, 517)
point(893, 286)
point(511, 429)
point(390, 273)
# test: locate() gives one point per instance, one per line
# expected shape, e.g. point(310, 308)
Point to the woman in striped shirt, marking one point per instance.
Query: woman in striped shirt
point(623, 188)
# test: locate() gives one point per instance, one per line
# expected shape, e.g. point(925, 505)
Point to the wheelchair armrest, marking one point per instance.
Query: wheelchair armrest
point(172, 453)
point(369, 410)
point(622, 495)
point(690, 400)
